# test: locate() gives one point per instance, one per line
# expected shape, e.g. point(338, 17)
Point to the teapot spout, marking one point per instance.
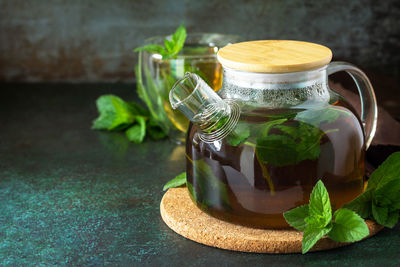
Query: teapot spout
point(215, 117)
point(197, 101)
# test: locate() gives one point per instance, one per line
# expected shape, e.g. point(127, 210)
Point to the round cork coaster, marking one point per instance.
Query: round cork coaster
point(182, 216)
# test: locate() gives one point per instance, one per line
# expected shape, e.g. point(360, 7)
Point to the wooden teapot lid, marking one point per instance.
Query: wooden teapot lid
point(274, 56)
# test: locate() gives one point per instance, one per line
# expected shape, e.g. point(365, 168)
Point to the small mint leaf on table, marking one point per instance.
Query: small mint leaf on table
point(312, 235)
point(296, 217)
point(115, 114)
point(348, 226)
point(137, 132)
point(177, 181)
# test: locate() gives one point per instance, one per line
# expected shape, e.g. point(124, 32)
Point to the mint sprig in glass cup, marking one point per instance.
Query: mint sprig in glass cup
point(157, 71)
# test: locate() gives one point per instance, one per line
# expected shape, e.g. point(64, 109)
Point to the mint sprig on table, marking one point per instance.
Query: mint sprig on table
point(381, 199)
point(315, 220)
point(179, 180)
point(171, 47)
point(137, 122)
point(119, 115)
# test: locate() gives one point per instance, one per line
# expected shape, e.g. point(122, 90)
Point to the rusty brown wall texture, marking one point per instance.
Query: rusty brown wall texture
point(92, 40)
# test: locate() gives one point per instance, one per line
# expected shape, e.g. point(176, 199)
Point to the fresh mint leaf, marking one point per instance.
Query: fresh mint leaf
point(315, 221)
point(115, 114)
point(320, 205)
point(177, 41)
point(311, 237)
point(388, 170)
point(381, 200)
point(348, 226)
point(388, 193)
point(138, 109)
point(172, 47)
point(392, 219)
point(296, 217)
point(179, 180)
point(380, 213)
point(362, 204)
point(137, 132)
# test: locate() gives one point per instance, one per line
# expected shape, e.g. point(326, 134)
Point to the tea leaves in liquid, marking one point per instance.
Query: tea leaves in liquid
point(271, 162)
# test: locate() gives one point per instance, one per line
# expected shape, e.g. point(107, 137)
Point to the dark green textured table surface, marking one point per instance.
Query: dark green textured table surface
point(72, 196)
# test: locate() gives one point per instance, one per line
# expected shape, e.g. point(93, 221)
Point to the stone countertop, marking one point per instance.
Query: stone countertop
point(73, 196)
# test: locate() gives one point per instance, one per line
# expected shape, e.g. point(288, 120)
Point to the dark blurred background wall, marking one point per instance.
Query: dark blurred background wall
point(92, 40)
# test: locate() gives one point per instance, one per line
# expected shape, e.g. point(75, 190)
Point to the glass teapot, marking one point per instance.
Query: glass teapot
point(256, 148)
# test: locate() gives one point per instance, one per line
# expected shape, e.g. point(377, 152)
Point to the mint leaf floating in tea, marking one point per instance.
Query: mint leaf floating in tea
point(381, 200)
point(239, 135)
point(315, 220)
point(179, 180)
point(208, 182)
point(291, 140)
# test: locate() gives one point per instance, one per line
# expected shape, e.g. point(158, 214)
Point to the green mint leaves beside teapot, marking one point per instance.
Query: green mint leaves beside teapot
point(315, 220)
point(119, 115)
point(116, 114)
point(179, 180)
point(380, 202)
point(381, 199)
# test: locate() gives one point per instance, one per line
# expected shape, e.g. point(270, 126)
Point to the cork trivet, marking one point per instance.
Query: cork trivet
point(182, 216)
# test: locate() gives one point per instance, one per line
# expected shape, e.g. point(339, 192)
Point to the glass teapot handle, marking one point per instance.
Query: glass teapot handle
point(369, 109)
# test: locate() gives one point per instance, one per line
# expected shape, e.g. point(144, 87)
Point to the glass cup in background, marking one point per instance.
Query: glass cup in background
point(155, 76)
